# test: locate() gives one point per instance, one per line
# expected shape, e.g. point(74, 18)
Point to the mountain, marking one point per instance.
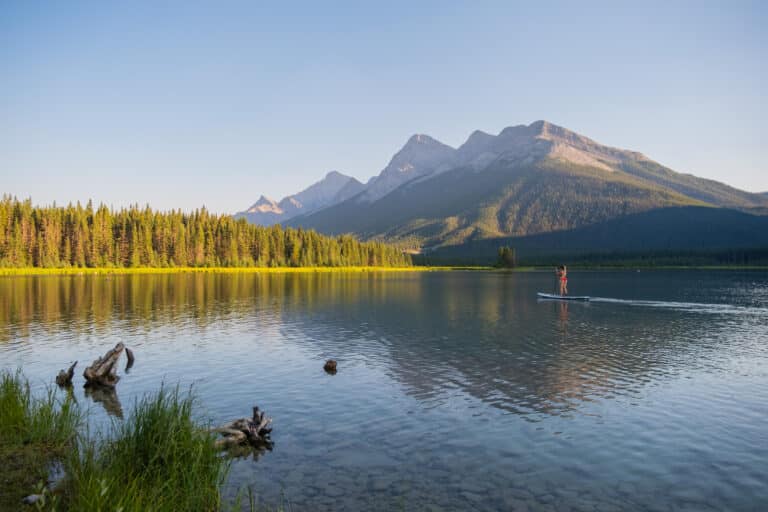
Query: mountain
point(332, 189)
point(265, 212)
point(677, 232)
point(527, 180)
point(421, 155)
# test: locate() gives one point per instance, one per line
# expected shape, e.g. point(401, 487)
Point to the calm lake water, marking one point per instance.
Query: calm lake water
point(455, 391)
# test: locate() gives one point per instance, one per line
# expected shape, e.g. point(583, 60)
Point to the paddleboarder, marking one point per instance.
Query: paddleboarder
point(562, 277)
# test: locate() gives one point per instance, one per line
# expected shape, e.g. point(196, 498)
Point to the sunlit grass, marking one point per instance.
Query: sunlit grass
point(34, 432)
point(218, 270)
point(36, 271)
point(158, 459)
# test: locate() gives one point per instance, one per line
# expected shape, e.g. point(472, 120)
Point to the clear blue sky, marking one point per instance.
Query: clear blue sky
point(180, 104)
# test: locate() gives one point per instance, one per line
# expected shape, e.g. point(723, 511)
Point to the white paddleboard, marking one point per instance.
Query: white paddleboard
point(562, 297)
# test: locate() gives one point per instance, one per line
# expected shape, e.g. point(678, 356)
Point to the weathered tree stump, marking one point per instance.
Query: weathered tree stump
point(330, 367)
point(254, 431)
point(103, 371)
point(64, 378)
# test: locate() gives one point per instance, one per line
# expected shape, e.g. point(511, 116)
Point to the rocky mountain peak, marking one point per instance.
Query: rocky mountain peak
point(420, 139)
point(333, 188)
point(421, 155)
point(517, 130)
point(542, 127)
point(265, 205)
point(479, 135)
point(478, 139)
point(421, 150)
point(336, 175)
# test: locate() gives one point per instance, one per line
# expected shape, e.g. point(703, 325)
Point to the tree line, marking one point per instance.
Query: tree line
point(506, 257)
point(84, 236)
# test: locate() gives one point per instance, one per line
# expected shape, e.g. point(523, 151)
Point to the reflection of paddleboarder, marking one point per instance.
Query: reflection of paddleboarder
point(564, 316)
point(562, 277)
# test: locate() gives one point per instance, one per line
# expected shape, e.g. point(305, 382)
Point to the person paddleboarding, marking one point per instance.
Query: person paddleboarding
point(561, 274)
point(562, 277)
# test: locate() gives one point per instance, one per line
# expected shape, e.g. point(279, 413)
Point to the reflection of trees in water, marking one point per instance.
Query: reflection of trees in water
point(480, 332)
point(93, 303)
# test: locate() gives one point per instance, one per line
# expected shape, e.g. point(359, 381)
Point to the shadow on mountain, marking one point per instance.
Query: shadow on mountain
point(705, 235)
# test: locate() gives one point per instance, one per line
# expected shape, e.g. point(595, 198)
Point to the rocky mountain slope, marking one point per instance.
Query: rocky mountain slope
point(332, 189)
point(526, 180)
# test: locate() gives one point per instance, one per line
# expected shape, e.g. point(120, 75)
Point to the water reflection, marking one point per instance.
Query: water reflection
point(106, 398)
point(542, 404)
point(563, 317)
point(478, 332)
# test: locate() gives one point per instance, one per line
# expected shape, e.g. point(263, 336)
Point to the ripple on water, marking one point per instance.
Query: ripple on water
point(455, 391)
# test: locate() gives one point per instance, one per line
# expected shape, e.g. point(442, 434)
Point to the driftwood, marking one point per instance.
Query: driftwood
point(64, 378)
point(254, 431)
point(330, 367)
point(103, 371)
point(131, 359)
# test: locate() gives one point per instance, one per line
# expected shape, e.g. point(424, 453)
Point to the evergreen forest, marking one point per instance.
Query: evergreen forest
point(88, 236)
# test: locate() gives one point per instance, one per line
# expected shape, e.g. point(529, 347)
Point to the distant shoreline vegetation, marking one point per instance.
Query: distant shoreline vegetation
point(116, 271)
point(21, 271)
point(78, 239)
point(81, 237)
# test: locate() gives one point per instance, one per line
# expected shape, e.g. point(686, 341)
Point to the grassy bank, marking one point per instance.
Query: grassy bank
point(35, 271)
point(159, 458)
point(34, 433)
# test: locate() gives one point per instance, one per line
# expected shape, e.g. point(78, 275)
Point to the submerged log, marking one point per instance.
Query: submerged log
point(64, 378)
point(103, 371)
point(254, 431)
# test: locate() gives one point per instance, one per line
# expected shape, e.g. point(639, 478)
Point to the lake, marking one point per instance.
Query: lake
point(455, 390)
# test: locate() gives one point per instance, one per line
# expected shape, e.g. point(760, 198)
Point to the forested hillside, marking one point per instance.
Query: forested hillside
point(505, 199)
point(84, 236)
point(677, 235)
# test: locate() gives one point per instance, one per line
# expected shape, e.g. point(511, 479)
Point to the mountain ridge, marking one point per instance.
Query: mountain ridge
point(534, 178)
point(526, 180)
point(334, 187)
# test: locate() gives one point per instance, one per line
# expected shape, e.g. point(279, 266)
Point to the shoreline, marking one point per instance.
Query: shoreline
point(42, 271)
point(81, 271)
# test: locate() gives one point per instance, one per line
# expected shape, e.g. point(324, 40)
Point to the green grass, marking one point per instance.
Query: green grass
point(159, 459)
point(34, 432)
point(25, 271)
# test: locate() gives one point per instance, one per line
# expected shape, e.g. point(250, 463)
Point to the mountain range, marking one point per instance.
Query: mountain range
point(334, 188)
point(528, 180)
